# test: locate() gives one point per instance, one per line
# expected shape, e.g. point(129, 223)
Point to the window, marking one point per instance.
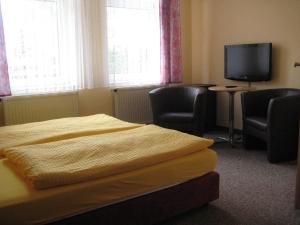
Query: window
point(61, 45)
point(133, 42)
point(40, 56)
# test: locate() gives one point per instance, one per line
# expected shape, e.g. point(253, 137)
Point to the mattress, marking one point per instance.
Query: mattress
point(20, 204)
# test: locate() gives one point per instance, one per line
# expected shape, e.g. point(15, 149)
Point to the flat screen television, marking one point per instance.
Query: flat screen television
point(248, 62)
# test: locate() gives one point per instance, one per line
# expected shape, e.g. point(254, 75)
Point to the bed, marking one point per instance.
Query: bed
point(143, 195)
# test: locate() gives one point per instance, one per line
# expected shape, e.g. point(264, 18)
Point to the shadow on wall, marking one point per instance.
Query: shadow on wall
point(280, 66)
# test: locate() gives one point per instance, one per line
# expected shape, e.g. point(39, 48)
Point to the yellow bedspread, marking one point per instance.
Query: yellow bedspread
point(20, 204)
point(60, 129)
point(91, 157)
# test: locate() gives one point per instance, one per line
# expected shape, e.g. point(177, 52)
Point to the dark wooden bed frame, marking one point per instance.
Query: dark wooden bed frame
point(154, 207)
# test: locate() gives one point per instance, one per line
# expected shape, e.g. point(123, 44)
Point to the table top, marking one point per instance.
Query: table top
point(231, 88)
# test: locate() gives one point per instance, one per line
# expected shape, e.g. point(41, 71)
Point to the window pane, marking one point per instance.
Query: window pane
point(32, 44)
point(133, 42)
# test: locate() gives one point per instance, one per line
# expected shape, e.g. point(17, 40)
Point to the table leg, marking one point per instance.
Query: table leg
point(231, 118)
point(230, 137)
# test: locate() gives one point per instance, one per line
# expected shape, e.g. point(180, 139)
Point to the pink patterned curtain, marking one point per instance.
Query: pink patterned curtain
point(171, 62)
point(4, 79)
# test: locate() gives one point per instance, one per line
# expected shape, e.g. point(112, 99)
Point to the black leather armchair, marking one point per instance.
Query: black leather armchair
point(272, 116)
point(181, 108)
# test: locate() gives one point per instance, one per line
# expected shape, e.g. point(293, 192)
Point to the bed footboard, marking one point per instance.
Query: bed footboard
point(154, 207)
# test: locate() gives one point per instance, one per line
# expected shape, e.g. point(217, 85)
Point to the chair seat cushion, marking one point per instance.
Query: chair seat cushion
point(176, 117)
point(257, 122)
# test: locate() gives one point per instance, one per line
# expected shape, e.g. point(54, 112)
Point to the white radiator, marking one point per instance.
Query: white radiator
point(133, 104)
point(25, 109)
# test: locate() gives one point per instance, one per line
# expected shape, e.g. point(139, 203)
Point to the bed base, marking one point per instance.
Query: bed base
point(154, 207)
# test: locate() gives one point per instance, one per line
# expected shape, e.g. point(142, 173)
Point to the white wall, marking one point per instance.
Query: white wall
point(216, 23)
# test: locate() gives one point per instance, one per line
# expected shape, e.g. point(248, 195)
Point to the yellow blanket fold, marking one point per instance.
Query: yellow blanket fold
point(90, 157)
point(60, 129)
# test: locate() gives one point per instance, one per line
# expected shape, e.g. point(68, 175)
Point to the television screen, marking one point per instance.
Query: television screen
point(248, 62)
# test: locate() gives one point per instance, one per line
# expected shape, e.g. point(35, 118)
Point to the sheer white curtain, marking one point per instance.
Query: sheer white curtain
point(54, 45)
point(92, 42)
point(133, 42)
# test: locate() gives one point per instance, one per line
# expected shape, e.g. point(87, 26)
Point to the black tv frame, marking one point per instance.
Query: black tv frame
point(245, 77)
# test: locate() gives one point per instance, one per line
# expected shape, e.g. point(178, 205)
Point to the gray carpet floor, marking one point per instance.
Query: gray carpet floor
point(252, 192)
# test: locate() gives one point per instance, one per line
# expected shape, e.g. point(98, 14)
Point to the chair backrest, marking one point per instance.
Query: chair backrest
point(281, 92)
point(288, 92)
point(178, 98)
point(261, 98)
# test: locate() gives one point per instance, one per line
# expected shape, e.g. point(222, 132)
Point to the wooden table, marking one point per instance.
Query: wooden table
point(231, 90)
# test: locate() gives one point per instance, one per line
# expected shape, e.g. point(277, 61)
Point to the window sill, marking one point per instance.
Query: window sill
point(135, 87)
point(38, 95)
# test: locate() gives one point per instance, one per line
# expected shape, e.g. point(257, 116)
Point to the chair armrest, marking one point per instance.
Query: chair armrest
point(284, 113)
point(200, 105)
point(157, 102)
point(159, 99)
point(199, 111)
